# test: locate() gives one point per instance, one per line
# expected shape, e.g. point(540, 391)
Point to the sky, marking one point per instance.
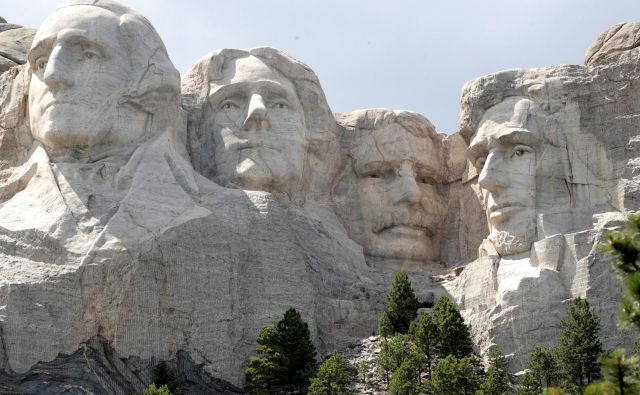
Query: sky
point(412, 55)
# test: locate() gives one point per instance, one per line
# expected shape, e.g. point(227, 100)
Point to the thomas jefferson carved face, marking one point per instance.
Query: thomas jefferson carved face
point(398, 193)
point(258, 127)
point(79, 73)
point(504, 149)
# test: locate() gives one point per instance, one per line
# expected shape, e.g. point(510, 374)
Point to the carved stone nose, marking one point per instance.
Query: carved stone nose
point(257, 118)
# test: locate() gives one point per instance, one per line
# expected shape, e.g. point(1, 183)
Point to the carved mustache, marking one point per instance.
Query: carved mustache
point(395, 218)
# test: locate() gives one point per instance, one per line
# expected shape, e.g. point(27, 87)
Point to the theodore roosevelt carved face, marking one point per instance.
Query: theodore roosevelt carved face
point(395, 207)
point(504, 149)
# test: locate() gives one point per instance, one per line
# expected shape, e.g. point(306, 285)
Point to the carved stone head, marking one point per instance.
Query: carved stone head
point(253, 129)
point(390, 196)
point(101, 78)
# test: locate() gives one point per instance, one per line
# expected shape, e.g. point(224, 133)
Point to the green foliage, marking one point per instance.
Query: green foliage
point(362, 370)
point(454, 376)
point(453, 334)
point(578, 346)
point(624, 246)
point(266, 373)
point(384, 325)
point(404, 380)
point(396, 350)
point(497, 380)
point(425, 335)
point(544, 366)
point(529, 385)
point(163, 375)
point(333, 377)
point(402, 304)
point(294, 340)
point(285, 360)
point(553, 391)
point(153, 390)
point(621, 375)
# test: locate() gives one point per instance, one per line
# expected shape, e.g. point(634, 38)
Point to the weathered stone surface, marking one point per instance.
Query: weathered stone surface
point(618, 38)
point(96, 368)
point(555, 151)
point(179, 217)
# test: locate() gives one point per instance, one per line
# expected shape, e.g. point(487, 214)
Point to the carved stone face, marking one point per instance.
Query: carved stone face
point(259, 127)
point(505, 152)
point(79, 73)
point(401, 207)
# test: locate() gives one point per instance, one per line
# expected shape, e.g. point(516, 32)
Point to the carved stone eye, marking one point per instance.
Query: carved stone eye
point(89, 55)
point(42, 64)
point(227, 106)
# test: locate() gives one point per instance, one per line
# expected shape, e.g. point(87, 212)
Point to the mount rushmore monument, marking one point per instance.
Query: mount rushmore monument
point(180, 214)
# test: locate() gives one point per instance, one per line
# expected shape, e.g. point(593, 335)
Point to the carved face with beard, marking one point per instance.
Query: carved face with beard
point(397, 189)
point(504, 149)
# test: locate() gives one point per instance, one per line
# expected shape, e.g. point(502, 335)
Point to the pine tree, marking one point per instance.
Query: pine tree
point(394, 352)
point(529, 385)
point(578, 346)
point(454, 377)
point(163, 375)
point(384, 325)
point(294, 340)
point(404, 380)
point(621, 375)
point(286, 358)
point(153, 390)
point(332, 378)
point(544, 366)
point(402, 304)
point(454, 336)
point(624, 246)
point(426, 336)
point(266, 373)
point(497, 380)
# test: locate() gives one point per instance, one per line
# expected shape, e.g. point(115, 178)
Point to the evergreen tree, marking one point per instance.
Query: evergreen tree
point(384, 325)
point(396, 350)
point(294, 339)
point(529, 385)
point(285, 360)
point(624, 246)
point(266, 373)
point(163, 375)
point(497, 380)
point(402, 304)
point(578, 346)
point(454, 377)
point(543, 366)
point(621, 375)
point(333, 377)
point(153, 390)
point(404, 380)
point(454, 336)
point(426, 336)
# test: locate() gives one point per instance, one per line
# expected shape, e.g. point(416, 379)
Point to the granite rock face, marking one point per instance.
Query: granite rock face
point(177, 216)
point(95, 368)
point(556, 153)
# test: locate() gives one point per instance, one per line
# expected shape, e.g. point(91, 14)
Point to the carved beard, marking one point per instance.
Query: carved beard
point(511, 243)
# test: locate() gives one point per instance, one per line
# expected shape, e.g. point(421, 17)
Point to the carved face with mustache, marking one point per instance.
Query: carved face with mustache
point(399, 193)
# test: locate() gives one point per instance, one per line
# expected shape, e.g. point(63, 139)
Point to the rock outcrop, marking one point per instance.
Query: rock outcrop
point(174, 217)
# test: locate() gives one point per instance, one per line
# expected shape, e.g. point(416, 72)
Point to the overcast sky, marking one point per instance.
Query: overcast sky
point(413, 55)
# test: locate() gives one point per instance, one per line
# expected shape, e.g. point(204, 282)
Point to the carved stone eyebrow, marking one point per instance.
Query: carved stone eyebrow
point(519, 136)
point(42, 47)
point(245, 87)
